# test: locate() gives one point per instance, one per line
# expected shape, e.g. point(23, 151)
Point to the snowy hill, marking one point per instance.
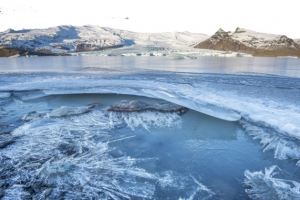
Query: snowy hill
point(60, 39)
point(255, 43)
point(263, 40)
point(68, 39)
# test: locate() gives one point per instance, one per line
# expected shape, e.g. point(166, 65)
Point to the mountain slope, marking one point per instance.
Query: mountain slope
point(251, 42)
point(60, 39)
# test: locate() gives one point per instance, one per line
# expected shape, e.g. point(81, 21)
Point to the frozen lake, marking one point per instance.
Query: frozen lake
point(67, 133)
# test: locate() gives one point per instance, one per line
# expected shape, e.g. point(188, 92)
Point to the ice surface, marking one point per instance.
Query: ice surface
point(189, 96)
point(196, 92)
point(121, 151)
point(267, 186)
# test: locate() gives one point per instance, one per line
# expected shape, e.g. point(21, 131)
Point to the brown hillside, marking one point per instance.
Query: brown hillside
point(222, 40)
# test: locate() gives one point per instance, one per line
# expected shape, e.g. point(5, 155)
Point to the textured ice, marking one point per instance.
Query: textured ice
point(215, 100)
point(27, 95)
point(274, 105)
point(147, 119)
point(266, 185)
point(284, 146)
point(67, 157)
point(50, 154)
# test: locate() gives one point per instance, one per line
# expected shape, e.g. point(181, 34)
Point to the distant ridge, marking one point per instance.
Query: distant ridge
point(251, 42)
point(61, 40)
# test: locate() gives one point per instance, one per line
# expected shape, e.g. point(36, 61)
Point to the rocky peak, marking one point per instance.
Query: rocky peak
point(10, 30)
point(284, 39)
point(219, 35)
point(139, 106)
point(239, 30)
point(220, 30)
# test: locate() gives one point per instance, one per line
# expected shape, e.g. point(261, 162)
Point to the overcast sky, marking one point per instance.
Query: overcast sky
point(201, 16)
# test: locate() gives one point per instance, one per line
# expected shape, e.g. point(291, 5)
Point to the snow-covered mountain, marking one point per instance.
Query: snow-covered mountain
point(255, 43)
point(66, 39)
point(159, 39)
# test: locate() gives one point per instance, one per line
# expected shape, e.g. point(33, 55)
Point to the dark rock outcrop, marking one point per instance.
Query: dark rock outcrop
point(139, 106)
point(7, 52)
point(221, 40)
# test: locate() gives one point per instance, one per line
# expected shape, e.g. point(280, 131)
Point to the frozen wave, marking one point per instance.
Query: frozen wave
point(265, 185)
point(259, 99)
point(184, 95)
point(222, 103)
